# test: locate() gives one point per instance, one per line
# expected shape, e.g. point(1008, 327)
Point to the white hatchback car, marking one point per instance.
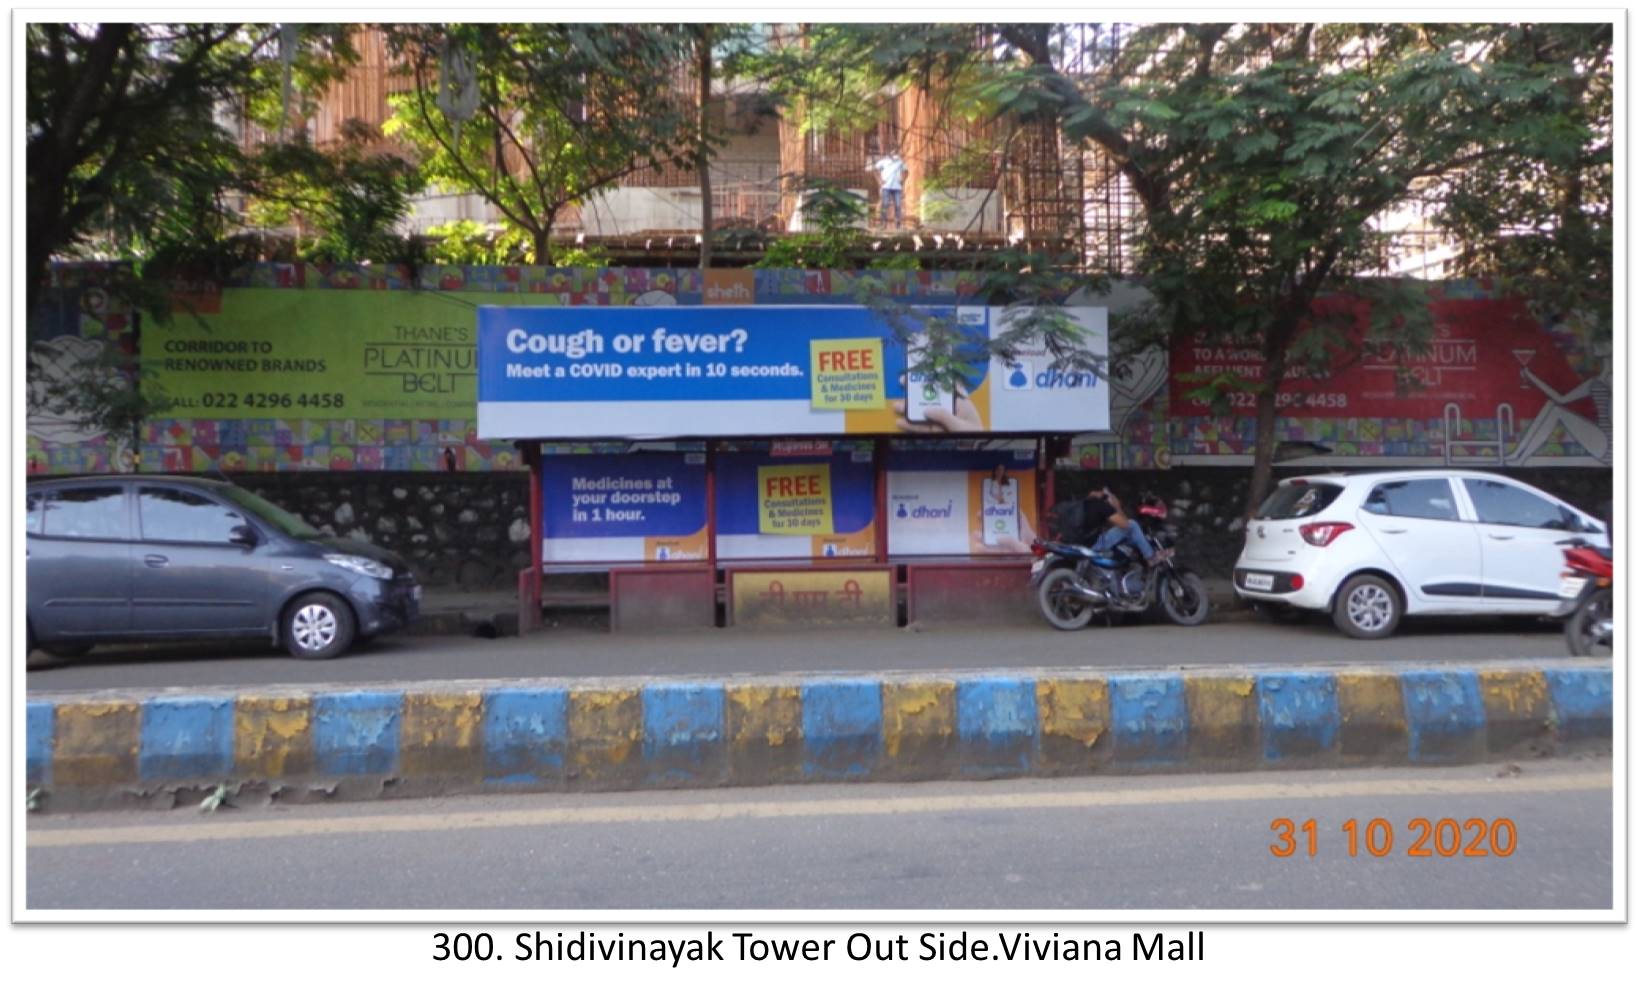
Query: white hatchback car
point(1372, 548)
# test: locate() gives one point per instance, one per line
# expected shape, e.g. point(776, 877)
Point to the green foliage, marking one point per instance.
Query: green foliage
point(1262, 154)
point(896, 261)
point(1543, 227)
point(586, 257)
point(1276, 147)
point(1032, 286)
point(124, 149)
point(470, 243)
point(354, 197)
point(127, 157)
point(835, 214)
point(563, 111)
point(832, 81)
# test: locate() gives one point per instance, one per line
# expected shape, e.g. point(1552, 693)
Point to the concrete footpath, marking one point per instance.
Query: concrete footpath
point(167, 748)
point(495, 613)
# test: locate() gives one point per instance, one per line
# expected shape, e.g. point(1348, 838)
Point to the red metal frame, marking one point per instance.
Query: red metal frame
point(529, 615)
point(711, 504)
point(1047, 493)
point(880, 469)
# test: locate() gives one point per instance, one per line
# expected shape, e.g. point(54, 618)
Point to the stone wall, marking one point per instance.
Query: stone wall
point(471, 531)
point(1208, 503)
point(468, 531)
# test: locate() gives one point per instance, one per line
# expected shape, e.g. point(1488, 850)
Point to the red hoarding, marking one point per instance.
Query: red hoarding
point(1484, 354)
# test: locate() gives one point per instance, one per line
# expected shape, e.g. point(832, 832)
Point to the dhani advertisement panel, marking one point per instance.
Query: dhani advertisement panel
point(646, 373)
point(650, 507)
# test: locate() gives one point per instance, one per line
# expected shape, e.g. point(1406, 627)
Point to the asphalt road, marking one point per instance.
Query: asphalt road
point(576, 653)
point(1140, 843)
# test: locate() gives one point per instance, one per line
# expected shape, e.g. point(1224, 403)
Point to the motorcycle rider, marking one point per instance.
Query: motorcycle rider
point(1104, 511)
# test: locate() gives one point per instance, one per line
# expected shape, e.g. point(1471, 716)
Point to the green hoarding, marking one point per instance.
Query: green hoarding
point(267, 353)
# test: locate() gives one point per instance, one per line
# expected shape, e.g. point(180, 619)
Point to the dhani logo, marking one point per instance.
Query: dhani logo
point(923, 511)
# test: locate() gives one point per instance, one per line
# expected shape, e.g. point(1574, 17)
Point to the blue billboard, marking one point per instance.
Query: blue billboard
point(676, 372)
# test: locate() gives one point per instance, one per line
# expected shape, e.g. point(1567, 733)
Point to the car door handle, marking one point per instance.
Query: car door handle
point(1395, 532)
point(155, 560)
point(1500, 536)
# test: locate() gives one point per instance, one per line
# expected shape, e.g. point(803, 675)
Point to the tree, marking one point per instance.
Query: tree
point(354, 196)
point(704, 65)
point(1260, 155)
point(837, 77)
point(537, 117)
point(832, 215)
point(1544, 228)
point(124, 146)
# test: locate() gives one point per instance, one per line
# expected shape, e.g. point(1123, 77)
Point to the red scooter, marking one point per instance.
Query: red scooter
point(1586, 594)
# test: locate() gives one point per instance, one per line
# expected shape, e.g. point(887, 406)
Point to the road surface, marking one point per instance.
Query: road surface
point(1147, 843)
point(577, 653)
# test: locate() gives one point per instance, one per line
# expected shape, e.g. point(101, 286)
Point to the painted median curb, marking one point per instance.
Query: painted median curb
point(482, 736)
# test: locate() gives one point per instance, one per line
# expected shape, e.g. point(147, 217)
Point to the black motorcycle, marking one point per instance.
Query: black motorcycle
point(1074, 583)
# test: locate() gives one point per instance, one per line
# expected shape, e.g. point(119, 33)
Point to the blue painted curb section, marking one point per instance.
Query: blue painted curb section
point(481, 736)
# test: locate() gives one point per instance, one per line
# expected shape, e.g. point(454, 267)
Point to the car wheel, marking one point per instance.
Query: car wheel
point(68, 651)
point(1368, 608)
point(318, 626)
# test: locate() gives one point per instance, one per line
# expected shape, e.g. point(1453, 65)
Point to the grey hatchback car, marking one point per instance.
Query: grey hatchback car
point(138, 558)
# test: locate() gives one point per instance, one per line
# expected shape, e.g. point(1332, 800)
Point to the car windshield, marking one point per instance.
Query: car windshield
point(1299, 499)
point(286, 522)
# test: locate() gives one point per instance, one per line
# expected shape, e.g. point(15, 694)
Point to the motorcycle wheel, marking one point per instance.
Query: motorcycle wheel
point(1582, 632)
point(1061, 606)
point(1183, 598)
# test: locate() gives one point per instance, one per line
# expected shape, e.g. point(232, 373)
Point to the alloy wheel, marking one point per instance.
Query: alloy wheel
point(313, 627)
point(1370, 607)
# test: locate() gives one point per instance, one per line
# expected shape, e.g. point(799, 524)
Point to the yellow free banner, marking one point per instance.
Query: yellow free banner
point(846, 373)
point(793, 499)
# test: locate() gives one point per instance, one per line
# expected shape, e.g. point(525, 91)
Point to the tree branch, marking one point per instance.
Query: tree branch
point(491, 195)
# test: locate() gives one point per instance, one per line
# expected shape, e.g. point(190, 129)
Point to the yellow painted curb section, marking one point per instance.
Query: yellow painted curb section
point(1222, 715)
point(442, 734)
point(273, 737)
point(1371, 709)
point(764, 716)
point(97, 743)
point(1517, 696)
point(917, 713)
point(604, 728)
point(1074, 716)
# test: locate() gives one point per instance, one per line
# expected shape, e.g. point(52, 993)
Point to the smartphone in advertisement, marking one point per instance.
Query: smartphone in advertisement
point(921, 393)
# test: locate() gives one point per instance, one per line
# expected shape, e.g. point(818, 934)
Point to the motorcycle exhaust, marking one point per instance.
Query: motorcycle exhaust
point(1089, 594)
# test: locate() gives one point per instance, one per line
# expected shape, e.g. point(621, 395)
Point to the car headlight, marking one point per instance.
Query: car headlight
point(361, 565)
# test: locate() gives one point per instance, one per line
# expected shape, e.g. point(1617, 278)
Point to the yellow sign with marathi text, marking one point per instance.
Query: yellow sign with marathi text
point(842, 596)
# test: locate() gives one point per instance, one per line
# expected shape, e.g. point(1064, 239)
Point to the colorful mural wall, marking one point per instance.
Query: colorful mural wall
point(355, 367)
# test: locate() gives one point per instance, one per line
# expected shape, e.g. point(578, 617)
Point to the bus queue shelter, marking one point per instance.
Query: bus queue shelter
point(778, 465)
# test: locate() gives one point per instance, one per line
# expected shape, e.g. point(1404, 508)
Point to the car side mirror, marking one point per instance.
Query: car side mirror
point(242, 536)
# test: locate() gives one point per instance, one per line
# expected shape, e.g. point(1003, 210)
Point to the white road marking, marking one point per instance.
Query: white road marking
point(276, 827)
